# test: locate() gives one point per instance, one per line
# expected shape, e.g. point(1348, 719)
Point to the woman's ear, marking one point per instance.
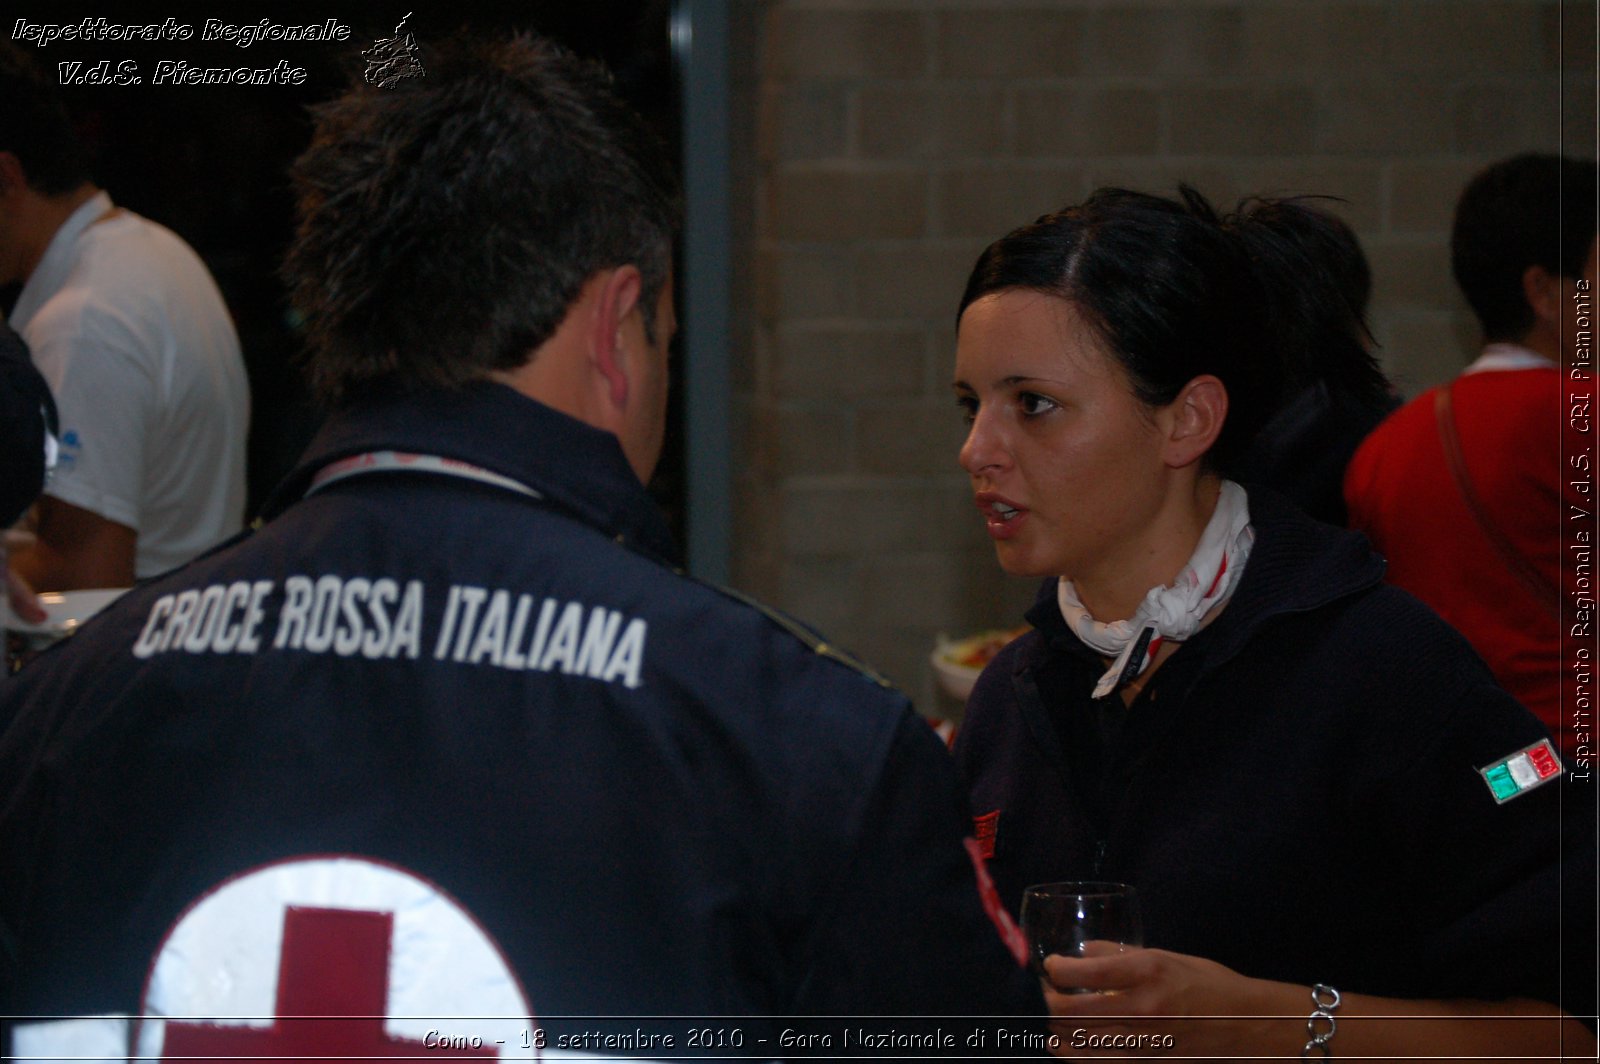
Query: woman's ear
point(1193, 421)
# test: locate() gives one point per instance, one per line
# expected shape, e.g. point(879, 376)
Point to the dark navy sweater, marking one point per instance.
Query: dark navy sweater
point(1296, 793)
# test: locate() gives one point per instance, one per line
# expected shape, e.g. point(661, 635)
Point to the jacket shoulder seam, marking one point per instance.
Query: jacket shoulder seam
point(810, 639)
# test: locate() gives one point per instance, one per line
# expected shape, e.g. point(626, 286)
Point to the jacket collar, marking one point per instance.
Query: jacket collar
point(1296, 565)
point(577, 468)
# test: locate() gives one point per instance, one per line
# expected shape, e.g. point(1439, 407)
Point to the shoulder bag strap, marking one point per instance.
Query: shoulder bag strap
point(1520, 566)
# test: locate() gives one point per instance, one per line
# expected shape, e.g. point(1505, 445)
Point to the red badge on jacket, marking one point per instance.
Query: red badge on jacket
point(1010, 933)
point(986, 829)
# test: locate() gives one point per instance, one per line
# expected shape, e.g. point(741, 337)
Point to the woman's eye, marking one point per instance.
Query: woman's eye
point(1033, 405)
point(969, 408)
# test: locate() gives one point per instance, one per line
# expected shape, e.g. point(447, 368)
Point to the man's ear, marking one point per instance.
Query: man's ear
point(1542, 290)
point(617, 300)
point(12, 176)
point(1193, 421)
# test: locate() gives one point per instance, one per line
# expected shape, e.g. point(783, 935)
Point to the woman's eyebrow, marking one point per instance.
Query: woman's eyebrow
point(1009, 382)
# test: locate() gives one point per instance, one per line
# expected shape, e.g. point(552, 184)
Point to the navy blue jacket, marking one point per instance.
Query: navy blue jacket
point(1295, 793)
point(654, 796)
point(27, 413)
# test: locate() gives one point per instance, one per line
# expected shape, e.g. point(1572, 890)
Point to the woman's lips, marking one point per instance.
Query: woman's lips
point(1002, 517)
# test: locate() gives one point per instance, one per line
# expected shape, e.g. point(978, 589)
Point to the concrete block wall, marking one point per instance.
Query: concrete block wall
point(883, 143)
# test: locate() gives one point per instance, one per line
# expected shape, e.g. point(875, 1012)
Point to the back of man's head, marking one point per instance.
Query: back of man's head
point(447, 223)
point(35, 128)
point(1529, 210)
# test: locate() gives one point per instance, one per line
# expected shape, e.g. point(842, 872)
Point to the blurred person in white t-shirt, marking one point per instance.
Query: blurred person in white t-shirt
point(127, 325)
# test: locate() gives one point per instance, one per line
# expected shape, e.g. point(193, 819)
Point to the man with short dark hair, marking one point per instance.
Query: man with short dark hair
point(451, 713)
point(130, 331)
point(1466, 489)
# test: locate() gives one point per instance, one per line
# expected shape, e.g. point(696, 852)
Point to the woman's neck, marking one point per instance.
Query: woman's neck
point(1112, 591)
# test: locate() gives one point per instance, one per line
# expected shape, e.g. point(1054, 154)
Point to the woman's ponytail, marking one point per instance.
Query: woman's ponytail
point(1315, 280)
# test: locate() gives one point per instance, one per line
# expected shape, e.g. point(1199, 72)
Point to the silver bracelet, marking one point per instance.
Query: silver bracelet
point(1324, 1000)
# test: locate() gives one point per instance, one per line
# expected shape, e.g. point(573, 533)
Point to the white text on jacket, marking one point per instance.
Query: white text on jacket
point(382, 618)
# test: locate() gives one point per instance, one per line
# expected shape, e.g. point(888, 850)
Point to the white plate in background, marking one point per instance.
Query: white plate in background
point(955, 679)
point(65, 610)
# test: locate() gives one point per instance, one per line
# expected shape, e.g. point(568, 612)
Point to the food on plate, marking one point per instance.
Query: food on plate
point(976, 651)
point(957, 663)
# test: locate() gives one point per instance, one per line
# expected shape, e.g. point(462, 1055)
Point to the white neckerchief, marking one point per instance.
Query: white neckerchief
point(1502, 356)
point(1173, 612)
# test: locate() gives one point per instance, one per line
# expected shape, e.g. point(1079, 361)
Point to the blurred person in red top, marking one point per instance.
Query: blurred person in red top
point(1478, 535)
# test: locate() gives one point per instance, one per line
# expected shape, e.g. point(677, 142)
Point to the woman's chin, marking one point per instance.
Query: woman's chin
point(1017, 562)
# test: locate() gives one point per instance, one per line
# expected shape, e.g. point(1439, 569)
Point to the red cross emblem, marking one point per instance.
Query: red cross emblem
point(332, 997)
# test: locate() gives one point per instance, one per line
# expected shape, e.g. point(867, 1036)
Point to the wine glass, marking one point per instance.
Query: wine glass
point(1063, 917)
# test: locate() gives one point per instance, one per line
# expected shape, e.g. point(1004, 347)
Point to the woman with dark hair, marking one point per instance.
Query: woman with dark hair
point(1221, 702)
point(1337, 393)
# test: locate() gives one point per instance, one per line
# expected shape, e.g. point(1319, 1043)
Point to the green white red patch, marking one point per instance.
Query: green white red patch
point(1516, 775)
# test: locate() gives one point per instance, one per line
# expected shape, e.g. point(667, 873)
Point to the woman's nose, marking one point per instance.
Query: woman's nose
point(983, 449)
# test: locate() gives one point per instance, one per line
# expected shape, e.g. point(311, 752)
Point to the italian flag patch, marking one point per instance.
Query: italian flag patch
point(1522, 771)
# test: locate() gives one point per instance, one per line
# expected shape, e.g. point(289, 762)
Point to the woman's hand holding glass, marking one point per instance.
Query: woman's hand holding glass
point(1065, 918)
point(1139, 1002)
